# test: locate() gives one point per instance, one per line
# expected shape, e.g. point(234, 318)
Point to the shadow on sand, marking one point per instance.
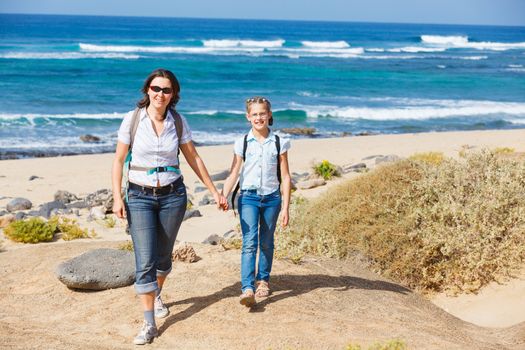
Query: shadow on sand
point(283, 286)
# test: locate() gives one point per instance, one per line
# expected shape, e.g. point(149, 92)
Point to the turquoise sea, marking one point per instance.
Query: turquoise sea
point(65, 76)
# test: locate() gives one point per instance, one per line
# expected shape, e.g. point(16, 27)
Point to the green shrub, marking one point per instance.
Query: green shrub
point(128, 245)
point(394, 344)
point(232, 243)
point(70, 229)
point(452, 227)
point(503, 150)
point(326, 170)
point(434, 158)
point(109, 221)
point(33, 230)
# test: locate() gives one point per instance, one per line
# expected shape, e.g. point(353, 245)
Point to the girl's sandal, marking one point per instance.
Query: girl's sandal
point(263, 289)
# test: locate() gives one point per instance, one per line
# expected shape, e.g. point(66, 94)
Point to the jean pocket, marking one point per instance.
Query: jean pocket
point(133, 194)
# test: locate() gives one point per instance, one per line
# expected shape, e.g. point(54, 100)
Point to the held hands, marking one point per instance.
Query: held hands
point(222, 202)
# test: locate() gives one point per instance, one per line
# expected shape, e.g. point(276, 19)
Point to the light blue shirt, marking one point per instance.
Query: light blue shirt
point(260, 167)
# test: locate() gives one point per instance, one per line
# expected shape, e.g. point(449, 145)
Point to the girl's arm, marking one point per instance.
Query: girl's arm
point(234, 175)
point(116, 179)
point(286, 187)
point(196, 163)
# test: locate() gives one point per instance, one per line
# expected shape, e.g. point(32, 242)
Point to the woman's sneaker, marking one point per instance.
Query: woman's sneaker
point(146, 334)
point(160, 309)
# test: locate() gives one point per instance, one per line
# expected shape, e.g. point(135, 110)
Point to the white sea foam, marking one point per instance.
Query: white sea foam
point(326, 44)
point(415, 49)
point(417, 109)
point(65, 55)
point(444, 40)
point(226, 43)
point(214, 137)
point(515, 66)
point(31, 116)
point(441, 66)
point(375, 50)
point(463, 42)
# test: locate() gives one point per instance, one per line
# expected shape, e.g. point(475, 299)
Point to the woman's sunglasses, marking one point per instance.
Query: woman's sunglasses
point(166, 90)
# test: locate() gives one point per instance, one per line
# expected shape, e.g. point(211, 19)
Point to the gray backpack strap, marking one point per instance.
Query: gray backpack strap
point(178, 126)
point(135, 119)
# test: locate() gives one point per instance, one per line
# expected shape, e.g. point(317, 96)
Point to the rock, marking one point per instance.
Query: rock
point(387, 159)
point(6, 220)
point(206, 200)
point(20, 215)
point(231, 234)
point(98, 269)
point(78, 205)
point(33, 213)
point(46, 208)
point(65, 197)
point(19, 204)
point(372, 157)
point(3, 212)
point(199, 189)
point(90, 138)
point(185, 253)
point(34, 177)
point(220, 176)
point(190, 213)
point(359, 167)
point(299, 131)
point(98, 198)
point(307, 184)
point(97, 213)
point(213, 240)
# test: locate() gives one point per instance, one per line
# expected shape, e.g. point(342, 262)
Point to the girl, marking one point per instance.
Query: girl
point(265, 191)
point(156, 199)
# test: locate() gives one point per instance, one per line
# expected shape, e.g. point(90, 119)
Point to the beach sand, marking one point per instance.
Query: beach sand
point(36, 307)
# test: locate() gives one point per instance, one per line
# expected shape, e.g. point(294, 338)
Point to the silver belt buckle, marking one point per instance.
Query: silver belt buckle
point(155, 191)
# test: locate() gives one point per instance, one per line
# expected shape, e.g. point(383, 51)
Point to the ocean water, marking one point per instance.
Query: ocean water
point(65, 76)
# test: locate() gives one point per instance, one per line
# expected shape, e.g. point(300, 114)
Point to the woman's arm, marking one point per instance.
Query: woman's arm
point(286, 187)
point(234, 175)
point(116, 179)
point(197, 165)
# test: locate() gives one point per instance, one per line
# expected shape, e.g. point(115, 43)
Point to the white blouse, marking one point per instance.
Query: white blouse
point(150, 150)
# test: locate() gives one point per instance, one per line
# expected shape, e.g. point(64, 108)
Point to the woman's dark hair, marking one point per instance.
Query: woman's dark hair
point(162, 73)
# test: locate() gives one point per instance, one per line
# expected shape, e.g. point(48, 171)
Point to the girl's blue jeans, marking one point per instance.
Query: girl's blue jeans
point(258, 215)
point(154, 222)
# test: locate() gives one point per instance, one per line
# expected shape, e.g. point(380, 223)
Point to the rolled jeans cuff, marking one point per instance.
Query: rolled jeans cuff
point(163, 273)
point(146, 288)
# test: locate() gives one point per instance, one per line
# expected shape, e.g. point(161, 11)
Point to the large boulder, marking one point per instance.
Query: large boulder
point(98, 269)
point(65, 197)
point(19, 204)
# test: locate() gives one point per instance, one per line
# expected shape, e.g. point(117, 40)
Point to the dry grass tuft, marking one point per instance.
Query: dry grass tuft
point(453, 226)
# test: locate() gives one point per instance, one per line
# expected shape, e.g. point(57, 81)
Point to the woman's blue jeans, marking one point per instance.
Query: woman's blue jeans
point(259, 215)
point(154, 222)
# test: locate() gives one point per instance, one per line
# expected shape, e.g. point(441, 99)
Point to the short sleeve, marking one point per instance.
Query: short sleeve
point(186, 132)
point(238, 145)
point(285, 145)
point(124, 132)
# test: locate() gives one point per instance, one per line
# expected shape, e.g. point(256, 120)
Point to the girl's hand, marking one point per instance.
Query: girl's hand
point(224, 203)
point(118, 207)
point(286, 217)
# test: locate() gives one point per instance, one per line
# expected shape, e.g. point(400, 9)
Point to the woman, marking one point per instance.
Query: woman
point(156, 196)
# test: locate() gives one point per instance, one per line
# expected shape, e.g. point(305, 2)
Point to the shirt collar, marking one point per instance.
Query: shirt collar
point(251, 137)
point(169, 117)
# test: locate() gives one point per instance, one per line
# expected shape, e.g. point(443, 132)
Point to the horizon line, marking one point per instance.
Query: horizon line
point(264, 19)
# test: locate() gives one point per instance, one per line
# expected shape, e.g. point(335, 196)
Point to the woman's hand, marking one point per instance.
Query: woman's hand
point(223, 202)
point(285, 218)
point(119, 208)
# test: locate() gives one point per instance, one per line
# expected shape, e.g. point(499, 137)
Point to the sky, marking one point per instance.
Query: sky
point(489, 12)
